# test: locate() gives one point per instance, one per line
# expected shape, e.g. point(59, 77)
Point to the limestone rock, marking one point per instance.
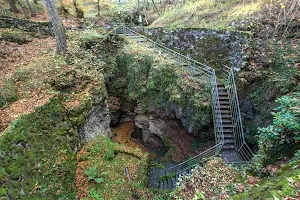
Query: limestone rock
point(157, 126)
point(142, 122)
point(97, 123)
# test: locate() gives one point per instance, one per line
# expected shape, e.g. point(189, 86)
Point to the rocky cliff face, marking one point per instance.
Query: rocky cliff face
point(212, 47)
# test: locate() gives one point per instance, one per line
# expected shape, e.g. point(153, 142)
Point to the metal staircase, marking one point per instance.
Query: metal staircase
point(228, 129)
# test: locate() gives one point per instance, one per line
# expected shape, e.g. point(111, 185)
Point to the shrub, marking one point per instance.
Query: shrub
point(283, 133)
point(21, 75)
point(91, 39)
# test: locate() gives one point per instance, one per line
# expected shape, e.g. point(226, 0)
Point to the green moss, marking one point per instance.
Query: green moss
point(107, 161)
point(8, 92)
point(275, 187)
point(47, 162)
point(207, 14)
point(3, 192)
point(14, 171)
point(2, 174)
point(151, 77)
point(17, 36)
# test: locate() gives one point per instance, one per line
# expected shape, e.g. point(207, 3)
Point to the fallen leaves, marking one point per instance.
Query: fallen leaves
point(211, 180)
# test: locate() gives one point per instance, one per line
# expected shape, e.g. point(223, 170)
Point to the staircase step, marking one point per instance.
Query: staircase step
point(224, 102)
point(224, 98)
point(227, 126)
point(227, 135)
point(161, 185)
point(224, 107)
point(226, 116)
point(166, 184)
point(174, 180)
point(225, 111)
point(228, 146)
point(222, 89)
point(229, 141)
point(227, 130)
point(223, 93)
point(226, 121)
point(169, 186)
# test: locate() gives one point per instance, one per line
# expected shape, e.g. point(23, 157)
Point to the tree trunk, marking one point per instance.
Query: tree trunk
point(58, 28)
point(155, 7)
point(32, 13)
point(98, 8)
point(13, 7)
point(23, 10)
point(79, 12)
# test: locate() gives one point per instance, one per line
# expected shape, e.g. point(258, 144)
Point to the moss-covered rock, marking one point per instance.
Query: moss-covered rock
point(25, 25)
point(211, 47)
point(155, 83)
point(40, 149)
point(284, 184)
point(101, 167)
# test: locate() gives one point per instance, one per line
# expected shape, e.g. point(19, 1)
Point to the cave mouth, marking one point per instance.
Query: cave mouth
point(152, 142)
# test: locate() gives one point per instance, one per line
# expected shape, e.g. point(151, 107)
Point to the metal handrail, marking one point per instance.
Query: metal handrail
point(213, 151)
point(238, 133)
point(206, 69)
point(209, 73)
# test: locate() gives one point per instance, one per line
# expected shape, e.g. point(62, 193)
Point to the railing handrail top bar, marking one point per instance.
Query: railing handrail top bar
point(190, 59)
point(199, 155)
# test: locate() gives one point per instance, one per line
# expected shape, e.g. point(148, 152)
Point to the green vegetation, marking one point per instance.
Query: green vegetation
point(284, 184)
point(17, 36)
point(92, 173)
point(8, 92)
point(108, 172)
point(35, 147)
point(148, 76)
point(281, 138)
point(39, 148)
point(207, 14)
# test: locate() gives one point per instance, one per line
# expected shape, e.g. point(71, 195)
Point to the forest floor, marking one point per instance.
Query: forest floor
point(15, 58)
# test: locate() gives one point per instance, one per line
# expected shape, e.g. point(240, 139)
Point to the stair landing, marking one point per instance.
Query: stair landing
point(231, 156)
